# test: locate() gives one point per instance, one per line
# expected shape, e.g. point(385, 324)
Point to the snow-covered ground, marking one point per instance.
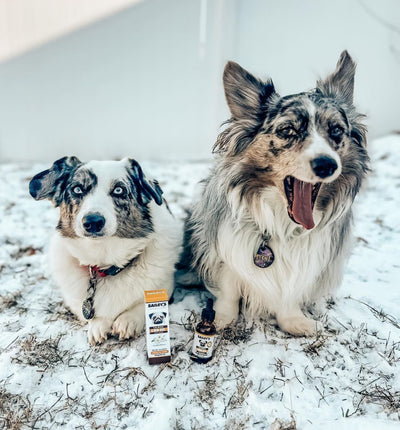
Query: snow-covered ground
point(347, 377)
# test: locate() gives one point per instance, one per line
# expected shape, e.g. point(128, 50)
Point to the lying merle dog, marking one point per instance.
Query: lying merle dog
point(115, 238)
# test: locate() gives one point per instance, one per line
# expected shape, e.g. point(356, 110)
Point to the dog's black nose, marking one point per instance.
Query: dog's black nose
point(324, 166)
point(93, 223)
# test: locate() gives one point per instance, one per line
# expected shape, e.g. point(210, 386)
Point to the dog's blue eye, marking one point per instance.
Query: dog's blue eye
point(118, 191)
point(77, 190)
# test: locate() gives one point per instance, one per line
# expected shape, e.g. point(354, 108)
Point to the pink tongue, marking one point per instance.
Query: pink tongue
point(302, 209)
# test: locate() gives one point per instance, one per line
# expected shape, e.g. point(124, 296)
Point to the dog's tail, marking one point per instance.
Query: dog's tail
point(185, 277)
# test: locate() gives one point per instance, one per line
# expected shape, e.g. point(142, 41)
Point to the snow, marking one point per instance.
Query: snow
point(346, 377)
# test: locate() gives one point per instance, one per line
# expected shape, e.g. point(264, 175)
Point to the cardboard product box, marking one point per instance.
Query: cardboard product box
point(157, 326)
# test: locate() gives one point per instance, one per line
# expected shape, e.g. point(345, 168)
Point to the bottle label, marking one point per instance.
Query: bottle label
point(203, 345)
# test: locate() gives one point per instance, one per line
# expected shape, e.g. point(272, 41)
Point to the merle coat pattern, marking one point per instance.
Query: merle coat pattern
point(110, 215)
point(287, 170)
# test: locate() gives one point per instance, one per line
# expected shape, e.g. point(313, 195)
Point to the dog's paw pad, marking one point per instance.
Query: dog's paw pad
point(128, 325)
point(300, 326)
point(98, 330)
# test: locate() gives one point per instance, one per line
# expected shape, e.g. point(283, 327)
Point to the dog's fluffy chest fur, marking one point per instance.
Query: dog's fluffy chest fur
point(153, 267)
point(301, 257)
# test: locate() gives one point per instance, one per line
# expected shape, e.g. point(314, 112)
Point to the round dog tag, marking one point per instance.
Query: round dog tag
point(264, 257)
point(87, 309)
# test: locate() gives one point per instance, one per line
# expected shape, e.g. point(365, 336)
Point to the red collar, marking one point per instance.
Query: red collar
point(98, 272)
point(95, 271)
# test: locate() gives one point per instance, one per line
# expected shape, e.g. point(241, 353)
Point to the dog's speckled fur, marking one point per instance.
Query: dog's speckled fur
point(138, 225)
point(268, 139)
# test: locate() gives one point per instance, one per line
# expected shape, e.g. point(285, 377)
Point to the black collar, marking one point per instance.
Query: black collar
point(110, 271)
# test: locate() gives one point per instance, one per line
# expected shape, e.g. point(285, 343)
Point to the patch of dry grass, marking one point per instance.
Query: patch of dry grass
point(42, 354)
point(208, 392)
point(379, 313)
point(238, 333)
point(56, 311)
point(11, 300)
point(15, 410)
point(239, 396)
point(317, 343)
point(383, 395)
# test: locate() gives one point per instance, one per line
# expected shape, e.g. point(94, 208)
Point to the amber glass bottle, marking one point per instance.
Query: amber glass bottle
point(204, 336)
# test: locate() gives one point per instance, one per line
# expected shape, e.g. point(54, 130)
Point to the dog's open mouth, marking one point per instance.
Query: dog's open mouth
point(301, 197)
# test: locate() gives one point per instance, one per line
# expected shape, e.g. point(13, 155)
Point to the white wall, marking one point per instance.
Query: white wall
point(26, 24)
point(133, 84)
point(146, 82)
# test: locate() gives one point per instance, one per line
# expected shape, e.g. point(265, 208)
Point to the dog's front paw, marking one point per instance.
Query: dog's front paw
point(225, 314)
point(299, 325)
point(221, 321)
point(224, 317)
point(98, 329)
point(129, 324)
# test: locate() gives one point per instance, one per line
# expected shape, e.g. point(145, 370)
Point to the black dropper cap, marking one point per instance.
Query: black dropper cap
point(208, 313)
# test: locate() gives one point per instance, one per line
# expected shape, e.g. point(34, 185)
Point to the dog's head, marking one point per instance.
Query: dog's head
point(99, 198)
point(310, 145)
point(158, 317)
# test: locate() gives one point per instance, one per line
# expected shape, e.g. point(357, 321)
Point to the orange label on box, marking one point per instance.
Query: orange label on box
point(160, 352)
point(151, 296)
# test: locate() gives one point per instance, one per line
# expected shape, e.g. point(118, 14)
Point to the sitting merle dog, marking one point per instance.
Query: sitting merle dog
point(115, 238)
point(272, 229)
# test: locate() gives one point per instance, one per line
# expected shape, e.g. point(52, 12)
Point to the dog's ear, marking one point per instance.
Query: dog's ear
point(340, 84)
point(165, 314)
point(151, 316)
point(147, 189)
point(50, 183)
point(245, 94)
